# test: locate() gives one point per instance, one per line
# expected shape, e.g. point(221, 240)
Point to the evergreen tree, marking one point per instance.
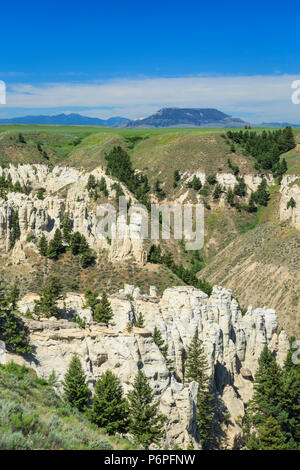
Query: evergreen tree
point(92, 299)
point(14, 333)
point(103, 312)
point(13, 295)
point(176, 177)
point(251, 207)
point(269, 436)
point(267, 388)
point(291, 203)
point(145, 421)
point(157, 338)
point(217, 191)
point(230, 197)
point(12, 328)
point(75, 243)
point(67, 227)
point(262, 194)
point(74, 385)
point(92, 183)
point(196, 366)
point(109, 409)
point(15, 228)
point(154, 254)
point(51, 292)
point(290, 400)
point(43, 246)
point(140, 321)
point(55, 247)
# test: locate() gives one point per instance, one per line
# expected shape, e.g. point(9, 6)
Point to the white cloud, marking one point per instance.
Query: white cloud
point(258, 98)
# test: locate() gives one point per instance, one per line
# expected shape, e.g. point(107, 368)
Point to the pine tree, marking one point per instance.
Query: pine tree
point(43, 246)
point(290, 400)
point(92, 183)
point(157, 338)
point(109, 409)
point(140, 321)
point(291, 203)
point(176, 177)
point(103, 312)
point(12, 328)
point(270, 436)
point(15, 228)
point(75, 388)
point(230, 197)
point(55, 247)
point(267, 388)
point(14, 333)
point(154, 254)
point(13, 295)
point(196, 366)
point(75, 243)
point(251, 207)
point(67, 227)
point(51, 292)
point(217, 191)
point(262, 194)
point(145, 422)
point(267, 397)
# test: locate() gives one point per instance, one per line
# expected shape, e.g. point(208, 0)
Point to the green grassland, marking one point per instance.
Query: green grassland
point(33, 417)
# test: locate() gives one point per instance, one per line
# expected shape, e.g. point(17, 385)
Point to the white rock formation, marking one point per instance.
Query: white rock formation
point(290, 189)
point(66, 193)
point(232, 342)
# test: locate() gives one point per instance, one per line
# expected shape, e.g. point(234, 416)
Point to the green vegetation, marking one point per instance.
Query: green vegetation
point(145, 422)
point(140, 321)
point(187, 275)
point(266, 147)
point(46, 306)
point(162, 346)
point(195, 367)
point(76, 242)
point(75, 387)
point(6, 186)
point(273, 418)
point(109, 408)
point(101, 308)
point(12, 328)
point(33, 417)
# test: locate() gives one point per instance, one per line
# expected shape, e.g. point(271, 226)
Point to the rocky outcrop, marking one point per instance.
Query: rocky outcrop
point(66, 192)
point(290, 191)
point(229, 180)
point(232, 342)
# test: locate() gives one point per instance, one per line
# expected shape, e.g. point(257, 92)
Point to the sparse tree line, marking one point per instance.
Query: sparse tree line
point(119, 166)
point(67, 240)
point(187, 275)
point(257, 198)
point(6, 186)
point(265, 147)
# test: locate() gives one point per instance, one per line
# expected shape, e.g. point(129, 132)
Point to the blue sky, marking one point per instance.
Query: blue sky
point(131, 58)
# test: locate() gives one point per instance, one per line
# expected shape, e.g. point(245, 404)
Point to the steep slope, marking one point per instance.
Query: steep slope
point(34, 417)
point(263, 267)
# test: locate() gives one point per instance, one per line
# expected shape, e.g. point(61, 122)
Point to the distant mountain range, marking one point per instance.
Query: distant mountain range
point(187, 117)
point(66, 120)
point(165, 117)
point(278, 124)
